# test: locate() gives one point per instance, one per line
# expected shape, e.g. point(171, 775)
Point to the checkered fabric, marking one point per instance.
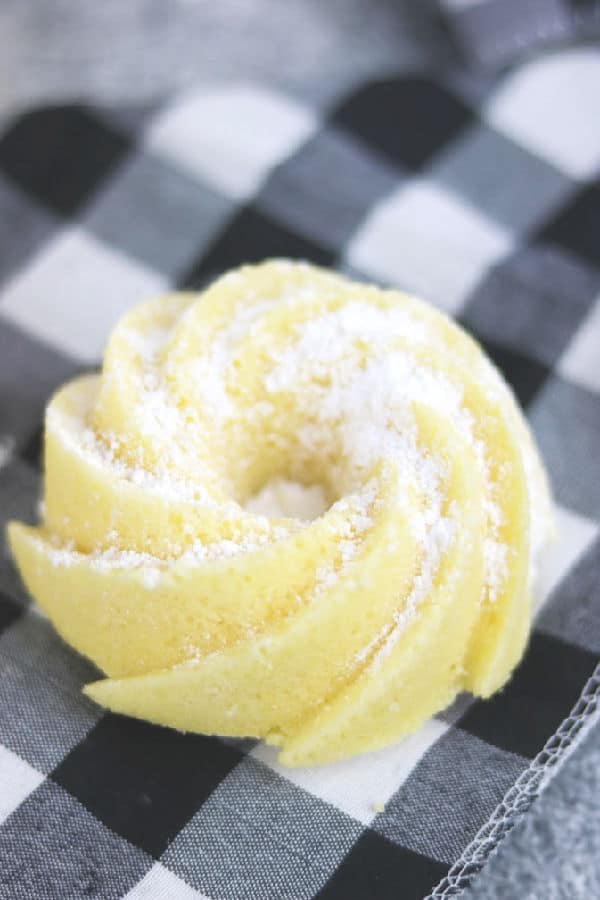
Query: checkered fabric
point(482, 196)
point(490, 32)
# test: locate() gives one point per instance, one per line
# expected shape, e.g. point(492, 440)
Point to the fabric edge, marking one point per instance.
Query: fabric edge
point(519, 798)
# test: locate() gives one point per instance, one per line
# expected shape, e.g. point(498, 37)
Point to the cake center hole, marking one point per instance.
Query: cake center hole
point(281, 497)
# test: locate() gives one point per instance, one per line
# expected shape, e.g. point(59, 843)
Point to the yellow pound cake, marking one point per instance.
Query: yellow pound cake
point(330, 635)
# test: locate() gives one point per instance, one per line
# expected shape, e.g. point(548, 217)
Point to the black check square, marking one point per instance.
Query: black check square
point(526, 376)
point(409, 118)
point(542, 691)
point(32, 451)
point(143, 781)
point(576, 226)
point(10, 610)
point(251, 237)
point(377, 869)
point(59, 155)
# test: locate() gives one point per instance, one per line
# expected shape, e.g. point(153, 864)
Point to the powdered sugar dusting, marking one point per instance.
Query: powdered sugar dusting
point(82, 440)
point(351, 373)
point(281, 497)
point(151, 569)
point(356, 381)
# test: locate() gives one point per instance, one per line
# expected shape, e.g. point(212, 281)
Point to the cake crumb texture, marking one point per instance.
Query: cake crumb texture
point(293, 507)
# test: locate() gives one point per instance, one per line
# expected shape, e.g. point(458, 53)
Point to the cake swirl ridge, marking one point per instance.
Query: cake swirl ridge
point(327, 636)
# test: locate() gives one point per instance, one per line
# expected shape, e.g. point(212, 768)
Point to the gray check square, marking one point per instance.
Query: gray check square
point(573, 613)
point(31, 370)
point(258, 835)
point(506, 181)
point(325, 190)
point(24, 227)
point(488, 31)
point(19, 494)
point(129, 119)
point(473, 86)
point(533, 302)
point(433, 811)
point(157, 214)
point(565, 420)
point(51, 847)
point(42, 711)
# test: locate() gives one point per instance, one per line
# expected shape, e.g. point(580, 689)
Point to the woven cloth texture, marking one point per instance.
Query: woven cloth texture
point(488, 205)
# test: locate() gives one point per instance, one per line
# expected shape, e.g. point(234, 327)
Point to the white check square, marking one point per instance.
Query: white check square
point(361, 786)
point(580, 362)
point(74, 291)
point(552, 107)
point(232, 136)
point(427, 240)
point(17, 781)
point(161, 884)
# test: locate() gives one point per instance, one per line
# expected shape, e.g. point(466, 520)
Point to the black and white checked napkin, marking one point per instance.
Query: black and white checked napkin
point(483, 196)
